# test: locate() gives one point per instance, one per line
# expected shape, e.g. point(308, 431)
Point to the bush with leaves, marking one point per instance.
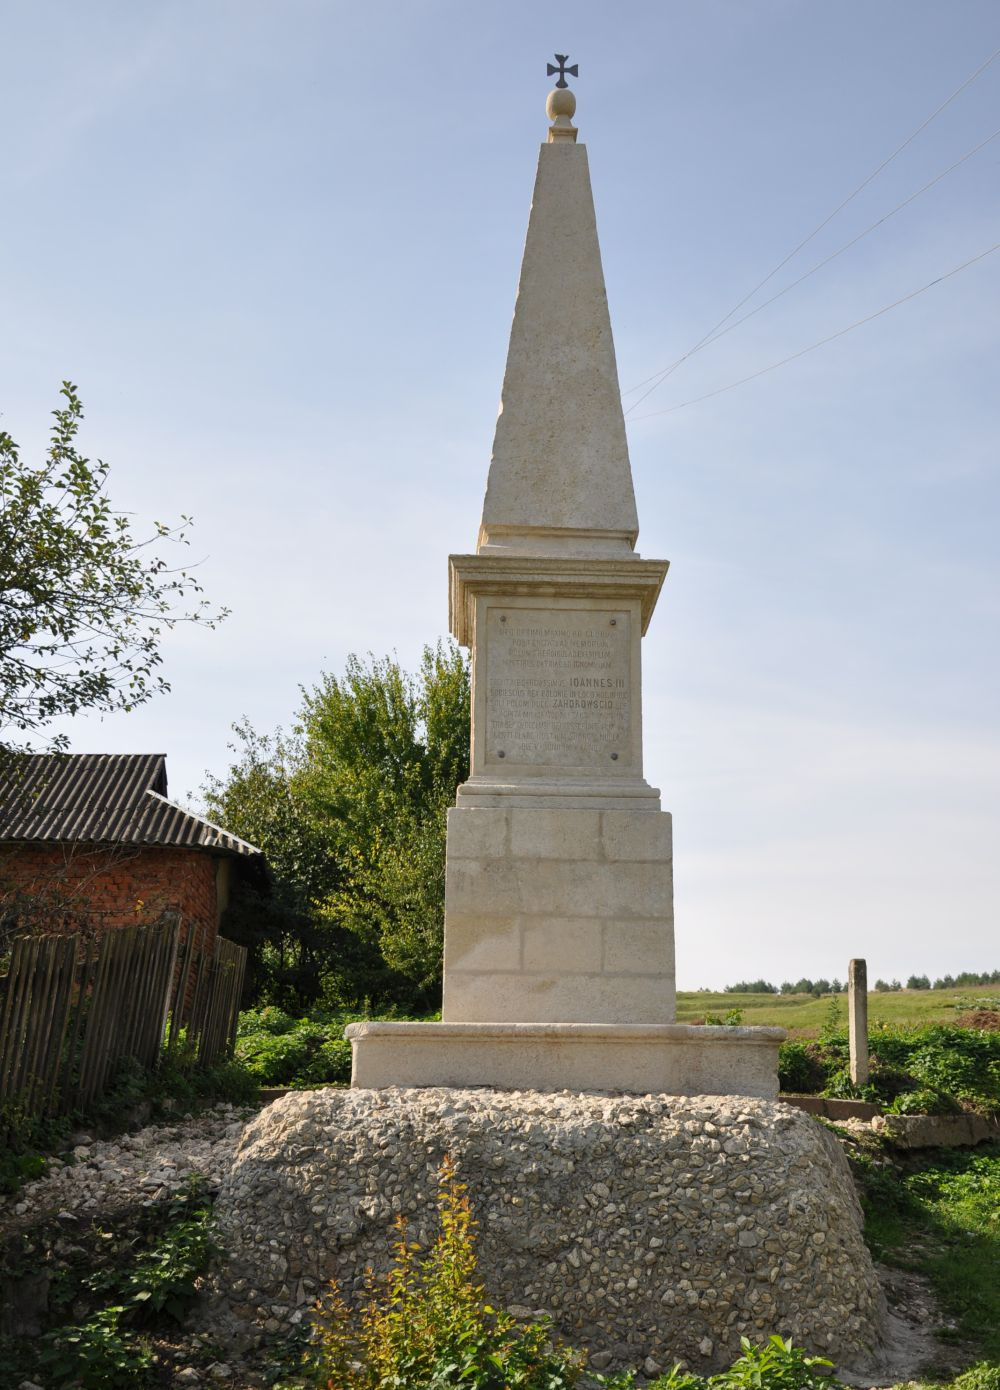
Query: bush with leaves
point(278, 1050)
point(118, 1282)
point(937, 1069)
point(776, 1364)
point(428, 1323)
point(97, 1354)
point(800, 1068)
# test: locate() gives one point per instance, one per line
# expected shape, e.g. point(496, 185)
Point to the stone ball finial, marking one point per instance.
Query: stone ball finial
point(560, 102)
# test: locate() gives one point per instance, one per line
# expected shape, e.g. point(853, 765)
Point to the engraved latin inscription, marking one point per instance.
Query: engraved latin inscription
point(558, 688)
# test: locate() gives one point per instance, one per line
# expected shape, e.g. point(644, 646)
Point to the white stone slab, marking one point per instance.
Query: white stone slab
point(673, 1059)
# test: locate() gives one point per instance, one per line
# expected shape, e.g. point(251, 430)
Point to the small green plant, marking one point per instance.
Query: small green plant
point(164, 1279)
point(833, 1019)
point(777, 1365)
point(985, 1375)
point(97, 1355)
point(427, 1324)
point(24, 1141)
point(137, 1272)
point(732, 1018)
point(923, 1102)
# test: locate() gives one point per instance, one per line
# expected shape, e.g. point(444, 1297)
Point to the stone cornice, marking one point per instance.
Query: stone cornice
point(548, 576)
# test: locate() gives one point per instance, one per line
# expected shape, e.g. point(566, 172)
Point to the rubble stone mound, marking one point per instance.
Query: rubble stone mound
point(651, 1228)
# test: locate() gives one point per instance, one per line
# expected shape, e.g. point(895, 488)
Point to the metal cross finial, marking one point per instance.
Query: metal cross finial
point(562, 69)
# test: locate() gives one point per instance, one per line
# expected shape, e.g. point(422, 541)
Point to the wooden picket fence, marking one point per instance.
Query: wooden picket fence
point(71, 1010)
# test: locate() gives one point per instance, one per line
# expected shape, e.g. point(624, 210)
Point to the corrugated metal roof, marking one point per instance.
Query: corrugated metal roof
point(100, 798)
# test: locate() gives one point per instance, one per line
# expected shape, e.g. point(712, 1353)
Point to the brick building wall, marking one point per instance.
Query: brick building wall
point(122, 885)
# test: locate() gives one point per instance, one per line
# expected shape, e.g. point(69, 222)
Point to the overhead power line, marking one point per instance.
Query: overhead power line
point(657, 379)
point(847, 244)
point(763, 371)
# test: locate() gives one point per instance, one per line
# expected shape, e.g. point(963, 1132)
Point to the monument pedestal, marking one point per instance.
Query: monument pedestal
point(629, 1059)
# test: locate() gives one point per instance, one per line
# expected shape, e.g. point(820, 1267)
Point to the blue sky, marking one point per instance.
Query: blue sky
point(276, 246)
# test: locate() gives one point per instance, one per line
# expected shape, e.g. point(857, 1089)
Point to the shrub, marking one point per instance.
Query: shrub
point(983, 1376)
point(97, 1355)
point(281, 1051)
point(777, 1365)
point(800, 1068)
point(428, 1324)
point(924, 1102)
point(278, 1050)
point(947, 1067)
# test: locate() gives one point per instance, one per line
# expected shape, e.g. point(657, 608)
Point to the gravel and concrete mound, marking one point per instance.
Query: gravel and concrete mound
point(651, 1228)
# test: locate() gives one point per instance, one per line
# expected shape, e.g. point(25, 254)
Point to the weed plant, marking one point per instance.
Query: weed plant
point(25, 1139)
point(777, 1365)
point(427, 1324)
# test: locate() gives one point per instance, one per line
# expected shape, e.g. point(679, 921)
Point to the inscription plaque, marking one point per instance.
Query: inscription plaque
point(558, 691)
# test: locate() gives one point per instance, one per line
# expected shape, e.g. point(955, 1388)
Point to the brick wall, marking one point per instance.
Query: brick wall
point(120, 885)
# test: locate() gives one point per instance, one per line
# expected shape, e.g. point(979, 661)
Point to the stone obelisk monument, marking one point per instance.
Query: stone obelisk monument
point(651, 1227)
point(559, 944)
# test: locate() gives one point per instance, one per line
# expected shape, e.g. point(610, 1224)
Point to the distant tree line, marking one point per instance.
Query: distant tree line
point(803, 986)
point(820, 987)
point(967, 977)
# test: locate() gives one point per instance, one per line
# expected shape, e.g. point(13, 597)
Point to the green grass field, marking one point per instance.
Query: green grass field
point(803, 1015)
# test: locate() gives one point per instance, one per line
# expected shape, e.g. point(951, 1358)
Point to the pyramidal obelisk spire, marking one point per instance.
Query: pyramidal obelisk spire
point(560, 481)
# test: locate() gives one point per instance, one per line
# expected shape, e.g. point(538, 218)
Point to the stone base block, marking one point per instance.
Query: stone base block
point(558, 916)
point(647, 1227)
point(674, 1059)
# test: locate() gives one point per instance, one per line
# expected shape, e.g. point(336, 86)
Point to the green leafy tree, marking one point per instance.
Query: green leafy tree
point(83, 602)
point(384, 754)
point(260, 800)
point(351, 813)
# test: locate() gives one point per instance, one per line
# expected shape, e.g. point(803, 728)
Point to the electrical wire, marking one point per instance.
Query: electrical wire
point(846, 246)
point(659, 377)
point(731, 386)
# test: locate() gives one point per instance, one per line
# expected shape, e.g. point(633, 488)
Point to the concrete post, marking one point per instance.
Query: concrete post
point(857, 1014)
